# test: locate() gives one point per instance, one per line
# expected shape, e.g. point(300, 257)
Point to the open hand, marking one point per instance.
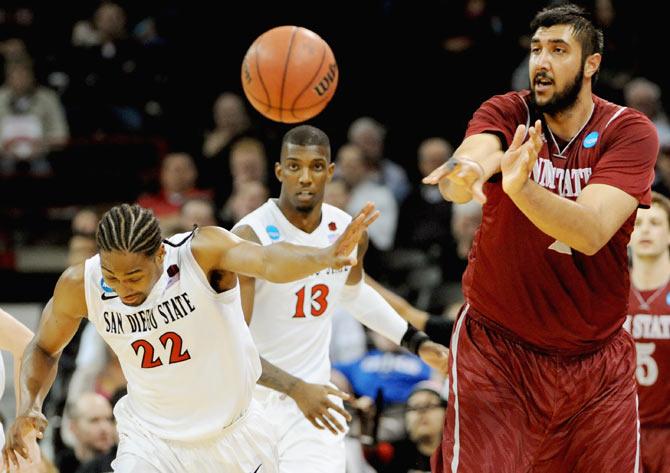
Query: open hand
point(31, 424)
point(314, 402)
point(339, 253)
point(436, 356)
point(460, 179)
point(519, 159)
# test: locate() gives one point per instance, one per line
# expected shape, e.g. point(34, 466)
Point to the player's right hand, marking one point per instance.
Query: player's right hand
point(339, 253)
point(26, 424)
point(460, 180)
point(315, 404)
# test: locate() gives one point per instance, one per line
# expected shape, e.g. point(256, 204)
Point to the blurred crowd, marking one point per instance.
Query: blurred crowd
point(103, 106)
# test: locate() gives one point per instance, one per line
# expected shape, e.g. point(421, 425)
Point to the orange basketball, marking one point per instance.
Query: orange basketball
point(289, 74)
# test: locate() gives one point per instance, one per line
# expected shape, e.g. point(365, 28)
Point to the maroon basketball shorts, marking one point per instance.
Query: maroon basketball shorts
point(514, 409)
point(655, 449)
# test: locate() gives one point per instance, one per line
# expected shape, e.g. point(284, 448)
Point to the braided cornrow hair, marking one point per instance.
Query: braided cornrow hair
point(130, 229)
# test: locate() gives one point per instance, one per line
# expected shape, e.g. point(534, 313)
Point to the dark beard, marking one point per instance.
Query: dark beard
point(304, 209)
point(561, 101)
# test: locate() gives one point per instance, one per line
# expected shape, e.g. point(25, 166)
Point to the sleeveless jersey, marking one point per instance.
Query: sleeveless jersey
point(291, 322)
point(186, 352)
point(649, 324)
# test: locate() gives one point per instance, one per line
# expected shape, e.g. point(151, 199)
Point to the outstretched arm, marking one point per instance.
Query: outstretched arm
point(217, 249)
point(463, 176)
point(60, 320)
point(586, 224)
point(14, 337)
point(371, 309)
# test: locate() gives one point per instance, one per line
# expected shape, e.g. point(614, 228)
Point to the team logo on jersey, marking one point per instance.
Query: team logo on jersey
point(591, 139)
point(332, 226)
point(173, 274)
point(273, 232)
point(105, 287)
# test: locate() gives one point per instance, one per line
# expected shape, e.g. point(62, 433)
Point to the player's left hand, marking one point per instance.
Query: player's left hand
point(338, 254)
point(314, 402)
point(520, 157)
point(436, 356)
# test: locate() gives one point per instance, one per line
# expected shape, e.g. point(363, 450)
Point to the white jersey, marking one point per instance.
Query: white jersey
point(291, 322)
point(186, 352)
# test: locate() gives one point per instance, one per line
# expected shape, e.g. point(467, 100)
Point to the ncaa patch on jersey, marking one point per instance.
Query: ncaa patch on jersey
point(104, 286)
point(590, 140)
point(667, 299)
point(273, 232)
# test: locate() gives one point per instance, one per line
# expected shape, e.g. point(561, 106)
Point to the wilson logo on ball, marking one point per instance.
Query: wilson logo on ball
point(322, 87)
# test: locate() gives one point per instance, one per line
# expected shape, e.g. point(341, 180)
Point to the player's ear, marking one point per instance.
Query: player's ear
point(592, 65)
point(278, 171)
point(331, 170)
point(160, 254)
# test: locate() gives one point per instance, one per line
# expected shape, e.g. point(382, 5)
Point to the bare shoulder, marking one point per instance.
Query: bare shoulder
point(246, 233)
point(69, 295)
point(209, 246)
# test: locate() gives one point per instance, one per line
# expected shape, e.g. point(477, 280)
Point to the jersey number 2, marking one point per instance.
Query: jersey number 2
point(318, 301)
point(176, 355)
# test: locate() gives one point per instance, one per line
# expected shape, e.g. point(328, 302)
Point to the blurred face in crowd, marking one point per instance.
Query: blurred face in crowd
point(80, 248)
point(425, 416)
point(351, 164)
point(229, 112)
point(651, 235)
point(248, 197)
point(643, 98)
point(663, 164)
point(110, 21)
point(371, 142)
point(178, 173)
point(432, 154)
point(556, 68)
point(20, 78)
point(464, 225)
point(131, 275)
point(85, 222)
point(304, 172)
point(337, 194)
point(247, 164)
point(197, 212)
point(93, 423)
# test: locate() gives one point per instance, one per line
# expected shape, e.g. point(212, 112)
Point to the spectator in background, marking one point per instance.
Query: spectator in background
point(424, 418)
point(92, 424)
point(248, 161)
point(110, 84)
point(82, 242)
point(423, 215)
point(337, 194)
point(32, 120)
point(662, 178)
point(198, 212)
point(246, 198)
point(645, 96)
point(369, 135)
point(231, 123)
point(178, 176)
point(465, 221)
point(354, 170)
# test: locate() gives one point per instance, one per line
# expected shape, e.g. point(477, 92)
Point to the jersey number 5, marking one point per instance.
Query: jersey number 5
point(318, 301)
point(176, 355)
point(647, 369)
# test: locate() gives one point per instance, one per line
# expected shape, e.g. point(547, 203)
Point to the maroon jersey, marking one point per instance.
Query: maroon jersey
point(649, 324)
point(520, 278)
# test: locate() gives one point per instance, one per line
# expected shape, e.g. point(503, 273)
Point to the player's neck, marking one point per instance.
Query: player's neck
point(650, 272)
point(568, 123)
point(305, 221)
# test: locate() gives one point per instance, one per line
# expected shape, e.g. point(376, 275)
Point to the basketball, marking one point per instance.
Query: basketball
point(289, 74)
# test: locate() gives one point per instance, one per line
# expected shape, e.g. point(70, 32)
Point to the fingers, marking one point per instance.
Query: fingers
point(518, 138)
point(441, 171)
point(340, 411)
point(333, 425)
point(478, 191)
point(338, 393)
point(315, 423)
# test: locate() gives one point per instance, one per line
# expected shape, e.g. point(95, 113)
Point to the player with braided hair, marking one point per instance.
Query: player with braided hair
point(171, 311)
